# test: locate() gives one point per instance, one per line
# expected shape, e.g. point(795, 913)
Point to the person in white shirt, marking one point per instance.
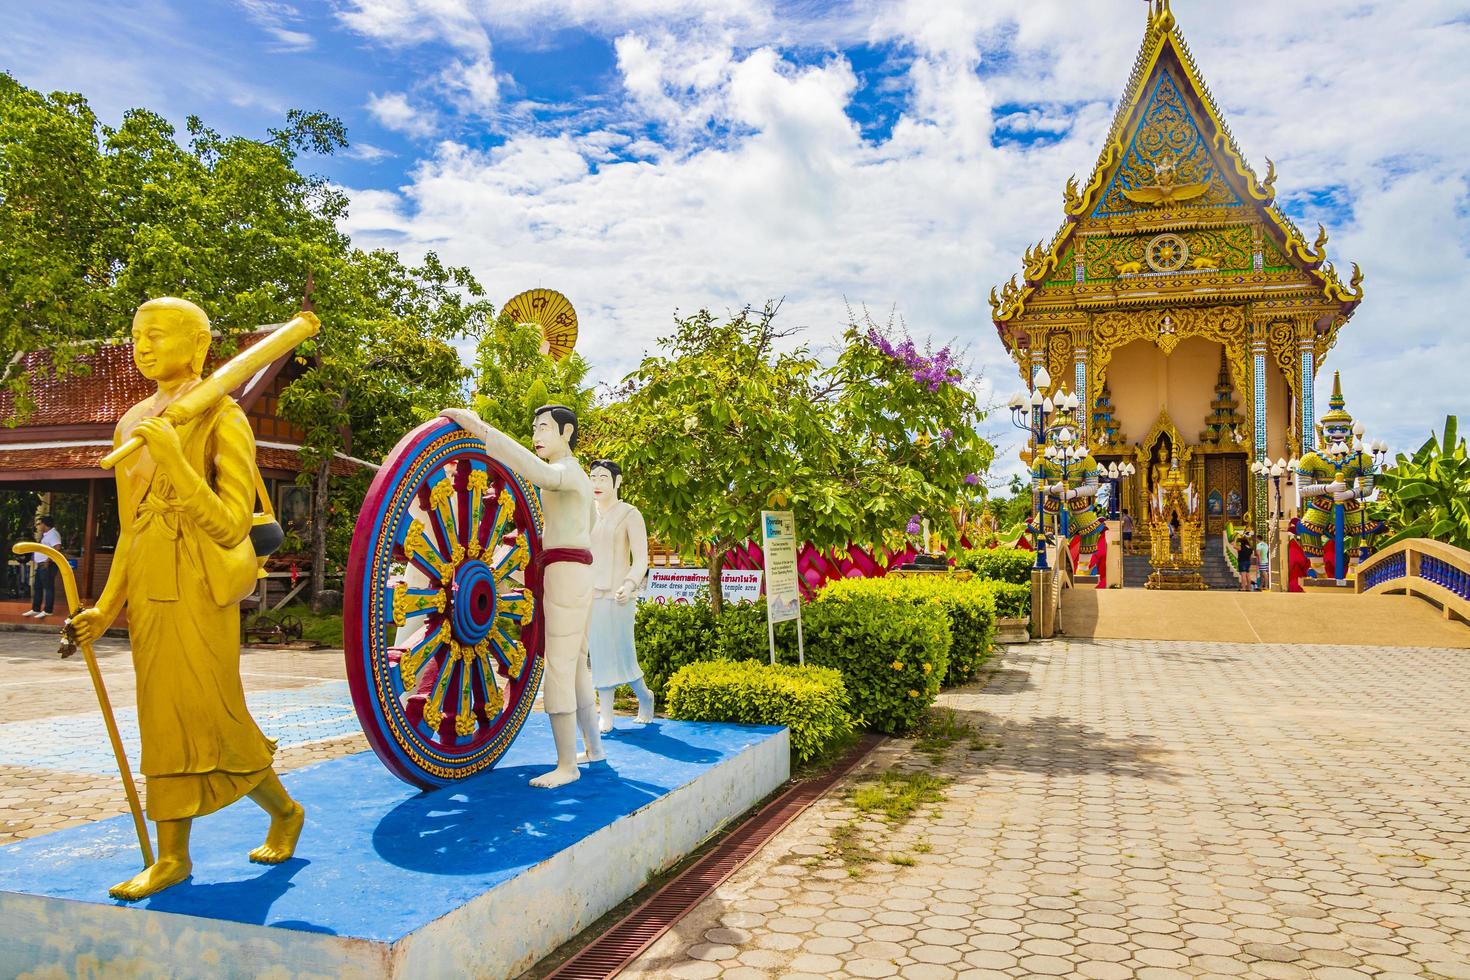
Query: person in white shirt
point(43, 579)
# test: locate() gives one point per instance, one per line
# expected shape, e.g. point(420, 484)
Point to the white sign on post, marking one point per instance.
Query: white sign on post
point(783, 585)
point(679, 586)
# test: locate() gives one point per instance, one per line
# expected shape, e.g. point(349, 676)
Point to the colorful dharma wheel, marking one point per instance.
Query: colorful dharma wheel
point(443, 653)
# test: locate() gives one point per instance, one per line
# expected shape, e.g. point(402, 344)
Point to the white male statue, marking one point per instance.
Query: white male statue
point(564, 571)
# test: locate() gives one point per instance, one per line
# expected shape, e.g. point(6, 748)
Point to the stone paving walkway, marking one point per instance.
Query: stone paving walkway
point(56, 768)
point(1139, 809)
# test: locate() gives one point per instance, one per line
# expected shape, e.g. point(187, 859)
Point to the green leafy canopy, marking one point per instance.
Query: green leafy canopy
point(1427, 495)
point(731, 419)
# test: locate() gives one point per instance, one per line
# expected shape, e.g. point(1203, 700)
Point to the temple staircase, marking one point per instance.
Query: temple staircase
point(1216, 571)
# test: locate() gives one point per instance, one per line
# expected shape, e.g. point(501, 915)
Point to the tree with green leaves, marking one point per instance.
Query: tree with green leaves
point(94, 220)
point(513, 379)
point(729, 421)
point(384, 361)
point(1427, 495)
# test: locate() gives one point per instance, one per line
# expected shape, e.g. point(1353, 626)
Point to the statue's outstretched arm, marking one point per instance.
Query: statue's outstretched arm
point(507, 451)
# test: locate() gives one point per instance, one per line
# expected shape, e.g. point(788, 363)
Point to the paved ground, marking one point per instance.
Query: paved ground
point(56, 768)
point(1140, 809)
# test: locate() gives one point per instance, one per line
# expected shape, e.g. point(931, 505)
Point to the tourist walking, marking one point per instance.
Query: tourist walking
point(43, 572)
point(1245, 552)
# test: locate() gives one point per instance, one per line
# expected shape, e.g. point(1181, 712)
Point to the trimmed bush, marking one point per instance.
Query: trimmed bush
point(892, 654)
point(669, 636)
point(810, 701)
point(741, 633)
point(1011, 601)
point(1011, 565)
point(968, 605)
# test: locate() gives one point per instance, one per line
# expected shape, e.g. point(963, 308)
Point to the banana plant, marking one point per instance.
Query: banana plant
point(1427, 495)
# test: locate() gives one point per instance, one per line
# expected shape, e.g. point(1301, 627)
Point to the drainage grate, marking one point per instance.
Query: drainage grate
point(606, 955)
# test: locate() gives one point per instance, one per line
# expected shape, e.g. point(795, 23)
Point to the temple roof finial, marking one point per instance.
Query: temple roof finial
point(1159, 15)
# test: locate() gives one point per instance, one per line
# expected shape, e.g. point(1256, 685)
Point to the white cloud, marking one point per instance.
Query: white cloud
point(276, 19)
point(472, 86)
point(757, 184)
point(367, 152)
point(394, 112)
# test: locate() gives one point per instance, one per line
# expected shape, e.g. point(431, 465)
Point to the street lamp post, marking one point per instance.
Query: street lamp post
point(1282, 468)
point(1117, 474)
point(1029, 413)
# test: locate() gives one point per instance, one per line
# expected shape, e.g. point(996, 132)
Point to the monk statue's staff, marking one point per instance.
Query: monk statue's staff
point(69, 646)
point(229, 376)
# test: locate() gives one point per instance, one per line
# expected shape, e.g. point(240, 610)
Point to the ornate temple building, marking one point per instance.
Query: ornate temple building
point(1179, 304)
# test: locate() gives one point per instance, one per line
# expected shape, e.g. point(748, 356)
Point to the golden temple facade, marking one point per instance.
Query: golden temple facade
point(1179, 304)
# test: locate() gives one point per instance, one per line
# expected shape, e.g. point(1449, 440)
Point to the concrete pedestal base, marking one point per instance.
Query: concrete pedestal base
point(480, 879)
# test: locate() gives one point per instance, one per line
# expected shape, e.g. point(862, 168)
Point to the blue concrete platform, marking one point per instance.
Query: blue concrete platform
point(478, 879)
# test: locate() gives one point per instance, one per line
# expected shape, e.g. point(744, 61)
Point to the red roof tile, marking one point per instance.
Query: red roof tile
point(15, 462)
point(54, 458)
point(110, 386)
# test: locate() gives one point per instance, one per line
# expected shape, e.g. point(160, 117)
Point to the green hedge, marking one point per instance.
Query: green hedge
point(669, 636)
point(968, 605)
point(1011, 601)
point(810, 701)
point(1011, 565)
point(892, 654)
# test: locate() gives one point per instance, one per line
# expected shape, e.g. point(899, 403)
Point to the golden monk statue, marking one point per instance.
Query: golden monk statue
point(183, 563)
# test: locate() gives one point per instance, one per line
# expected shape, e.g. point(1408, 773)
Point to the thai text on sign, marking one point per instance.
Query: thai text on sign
point(681, 585)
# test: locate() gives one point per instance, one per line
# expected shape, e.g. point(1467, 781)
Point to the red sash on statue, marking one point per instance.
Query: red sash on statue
point(536, 576)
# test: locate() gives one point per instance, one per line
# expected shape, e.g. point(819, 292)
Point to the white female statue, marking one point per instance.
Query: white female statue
point(563, 570)
point(619, 565)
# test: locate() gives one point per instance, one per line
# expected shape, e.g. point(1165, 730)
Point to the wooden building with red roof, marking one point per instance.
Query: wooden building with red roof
point(55, 448)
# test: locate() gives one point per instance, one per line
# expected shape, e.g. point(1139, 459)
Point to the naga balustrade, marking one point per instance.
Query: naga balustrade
point(1431, 570)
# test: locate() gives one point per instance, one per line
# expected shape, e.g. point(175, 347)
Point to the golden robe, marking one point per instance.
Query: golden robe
point(201, 749)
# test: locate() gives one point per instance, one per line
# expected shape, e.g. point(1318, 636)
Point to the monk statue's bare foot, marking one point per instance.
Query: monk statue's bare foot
point(643, 719)
point(155, 878)
point(585, 757)
point(280, 840)
point(556, 777)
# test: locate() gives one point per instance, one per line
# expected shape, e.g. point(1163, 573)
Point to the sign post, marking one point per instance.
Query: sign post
point(783, 587)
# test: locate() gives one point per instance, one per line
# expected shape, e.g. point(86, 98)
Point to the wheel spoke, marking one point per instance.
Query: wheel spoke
point(513, 561)
point(405, 601)
point(501, 519)
point(421, 552)
point(479, 483)
point(510, 651)
point(441, 512)
point(412, 660)
point(518, 607)
point(434, 703)
point(464, 715)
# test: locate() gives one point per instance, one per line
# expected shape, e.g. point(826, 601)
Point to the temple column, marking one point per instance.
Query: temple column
point(1038, 360)
point(1306, 338)
point(1260, 348)
point(1080, 336)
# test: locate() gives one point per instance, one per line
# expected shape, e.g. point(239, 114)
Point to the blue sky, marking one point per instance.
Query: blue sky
point(647, 156)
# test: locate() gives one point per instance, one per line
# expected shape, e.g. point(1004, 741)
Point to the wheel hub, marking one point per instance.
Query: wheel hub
point(472, 602)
